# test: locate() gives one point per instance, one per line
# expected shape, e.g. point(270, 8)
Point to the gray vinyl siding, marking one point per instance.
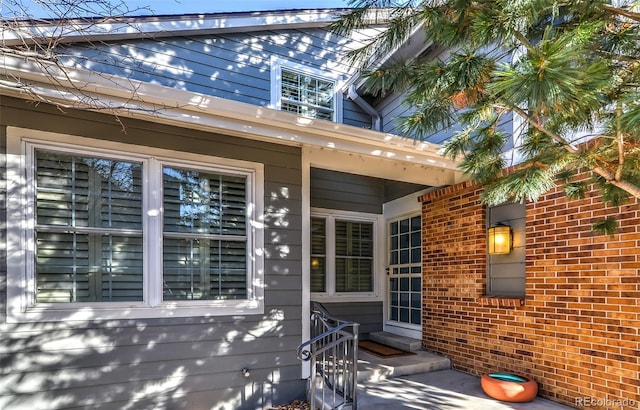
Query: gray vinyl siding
point(164, 363)
point(395, 189)
point(367, 314)
point(235, 66)
point(358, 193)
point(393, 108)
point(506, 273)
point(346, 192)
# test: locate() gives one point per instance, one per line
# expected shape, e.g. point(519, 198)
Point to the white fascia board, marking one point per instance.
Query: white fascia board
point(151, 102)
point(164, 26)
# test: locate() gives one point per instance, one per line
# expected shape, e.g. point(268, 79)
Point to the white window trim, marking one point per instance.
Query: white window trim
point(21, 306)
point(378, 252)
point(277, 63)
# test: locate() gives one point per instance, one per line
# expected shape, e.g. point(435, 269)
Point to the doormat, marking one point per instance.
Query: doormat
point(381, 350)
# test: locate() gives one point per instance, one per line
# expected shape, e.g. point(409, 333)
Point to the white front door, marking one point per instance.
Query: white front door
point(403, 304)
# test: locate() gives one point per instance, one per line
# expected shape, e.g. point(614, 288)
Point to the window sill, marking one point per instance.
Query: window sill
point(85, 312)
point(509, 302)
point(339, 298)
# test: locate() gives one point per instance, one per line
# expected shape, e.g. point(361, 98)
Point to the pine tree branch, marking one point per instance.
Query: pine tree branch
point(632, 189)
point(557, 138)
point(589, 64)
point(622, 12)
point(523, 39)
point(609, 176)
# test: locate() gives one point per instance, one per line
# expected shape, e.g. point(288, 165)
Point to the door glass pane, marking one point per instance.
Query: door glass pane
point(415, 239)
point(404, 256)
point(404, 241)
point(405, 260)
point(416, 300)
point(404, 315)
point(404, 226)
point(415, 316)
point(416, 256)
point(416, 223)
point(416, 284)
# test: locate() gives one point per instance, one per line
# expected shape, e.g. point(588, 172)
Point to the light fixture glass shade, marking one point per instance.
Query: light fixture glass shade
point(500, 240)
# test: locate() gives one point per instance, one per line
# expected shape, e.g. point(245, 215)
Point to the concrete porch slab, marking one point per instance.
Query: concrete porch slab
point(444, 389)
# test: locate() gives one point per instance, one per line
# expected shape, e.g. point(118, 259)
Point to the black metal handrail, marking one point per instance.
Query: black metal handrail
point(333, 354)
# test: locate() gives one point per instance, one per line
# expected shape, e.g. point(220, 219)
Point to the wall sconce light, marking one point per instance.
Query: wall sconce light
point(500, 239)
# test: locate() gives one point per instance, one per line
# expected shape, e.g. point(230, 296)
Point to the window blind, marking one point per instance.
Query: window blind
point(88, 228)
point(205, 235)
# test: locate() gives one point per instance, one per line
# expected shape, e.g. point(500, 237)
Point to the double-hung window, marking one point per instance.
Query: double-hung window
point(88, 231)
point(343, 254)
point(305, 91)
point(106, 230)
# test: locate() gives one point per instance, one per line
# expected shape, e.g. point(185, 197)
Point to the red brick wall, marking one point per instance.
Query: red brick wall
point(578, 333)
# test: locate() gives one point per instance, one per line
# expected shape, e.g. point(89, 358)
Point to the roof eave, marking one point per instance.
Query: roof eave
point(197, 111)
point(71, 31)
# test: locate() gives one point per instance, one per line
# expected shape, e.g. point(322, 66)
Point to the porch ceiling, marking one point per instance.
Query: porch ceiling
point(381, 167)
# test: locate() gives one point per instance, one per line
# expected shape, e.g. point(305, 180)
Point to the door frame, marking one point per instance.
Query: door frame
point(402, 207)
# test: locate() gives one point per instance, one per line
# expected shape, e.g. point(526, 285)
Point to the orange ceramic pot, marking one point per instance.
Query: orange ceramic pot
point(509, 387)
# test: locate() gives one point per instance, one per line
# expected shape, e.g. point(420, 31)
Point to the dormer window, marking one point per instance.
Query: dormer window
point(304, 91)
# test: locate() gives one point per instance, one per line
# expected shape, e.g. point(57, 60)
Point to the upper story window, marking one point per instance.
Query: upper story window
point(305, 91)
point(118, 232)
point(307, 95)
point(343, 254)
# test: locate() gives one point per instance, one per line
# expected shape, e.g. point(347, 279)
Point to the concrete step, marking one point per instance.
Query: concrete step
point(399, 342)
point(373, 368)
